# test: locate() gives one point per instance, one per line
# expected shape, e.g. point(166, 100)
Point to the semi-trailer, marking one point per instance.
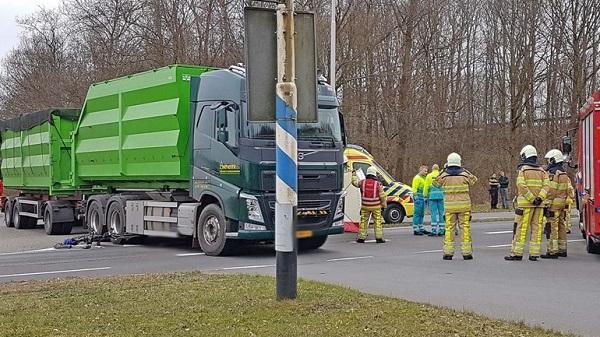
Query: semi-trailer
point(170, 152)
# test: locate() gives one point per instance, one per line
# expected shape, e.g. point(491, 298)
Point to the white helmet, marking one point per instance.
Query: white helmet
point(555, 156)
point(528, 151)
point(454, 159)
point(372, 171)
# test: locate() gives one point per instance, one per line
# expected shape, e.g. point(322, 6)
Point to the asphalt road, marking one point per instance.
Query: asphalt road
point(559, 294)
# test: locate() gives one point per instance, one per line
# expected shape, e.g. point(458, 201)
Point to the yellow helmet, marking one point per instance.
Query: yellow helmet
point(528, 151)
point(454, 159)
point(372, 171)
point(555, 156)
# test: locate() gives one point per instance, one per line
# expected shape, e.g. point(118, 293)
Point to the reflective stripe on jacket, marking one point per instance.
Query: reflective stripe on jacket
point(431, 191)
point(418, 184)
point(371, 193)
point(456, 191)
point(560, 191)
point(532, 182)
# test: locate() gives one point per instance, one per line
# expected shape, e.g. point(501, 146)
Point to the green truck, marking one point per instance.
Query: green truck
point(170, 152)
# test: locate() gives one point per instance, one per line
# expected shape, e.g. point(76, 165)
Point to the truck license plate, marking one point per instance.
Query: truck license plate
point(303, 234)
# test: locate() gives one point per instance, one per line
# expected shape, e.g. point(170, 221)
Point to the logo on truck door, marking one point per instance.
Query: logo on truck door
point(302, 155)
point(229, 169)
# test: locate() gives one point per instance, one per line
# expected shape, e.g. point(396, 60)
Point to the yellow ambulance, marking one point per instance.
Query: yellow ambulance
point(399, 196)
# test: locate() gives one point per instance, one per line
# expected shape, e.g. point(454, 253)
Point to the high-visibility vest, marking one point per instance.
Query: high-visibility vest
point(370, 193)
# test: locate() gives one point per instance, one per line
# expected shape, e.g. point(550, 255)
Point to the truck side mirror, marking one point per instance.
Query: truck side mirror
point(222, 135)
point(343, 129)
point(566, 145)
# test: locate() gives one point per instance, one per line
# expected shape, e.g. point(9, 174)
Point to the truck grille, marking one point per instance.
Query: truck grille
point(305, 205)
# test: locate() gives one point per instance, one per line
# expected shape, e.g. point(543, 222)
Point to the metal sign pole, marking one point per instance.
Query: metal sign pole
point(286, 164)
point(332, 46)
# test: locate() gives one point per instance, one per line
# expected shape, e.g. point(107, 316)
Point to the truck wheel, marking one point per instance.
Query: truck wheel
point(53, 228)
point(591, 247)
point(8, 209)
point(20, 221)
point(210, 231)
point(394, 213)
point(311, 243)
point(116, 218)
point(95, 218)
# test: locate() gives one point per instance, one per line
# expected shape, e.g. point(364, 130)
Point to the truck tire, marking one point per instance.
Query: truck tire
point(210, 231)
point(20, 221)
point(8, 209)
point(95, 218)
point(394, 214)
point(116, 218)
point(52, 228)
point(311, 243)
point(591, 246)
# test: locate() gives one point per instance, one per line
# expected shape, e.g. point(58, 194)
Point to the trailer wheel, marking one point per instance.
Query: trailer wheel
point(591, 246)
point(116, 218)
point(210, 231)
point(95, 218)
point(394, 213)
point(311, 243)
point(8, 209)
point(20, 221)
point(53, 228)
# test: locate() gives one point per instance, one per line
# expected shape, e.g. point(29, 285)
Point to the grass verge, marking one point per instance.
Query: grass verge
point(194, 304)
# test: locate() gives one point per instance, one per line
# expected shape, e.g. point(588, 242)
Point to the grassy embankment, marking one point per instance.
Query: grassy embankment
point(194, 304)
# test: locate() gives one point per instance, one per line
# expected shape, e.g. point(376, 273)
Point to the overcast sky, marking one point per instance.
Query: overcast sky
point(9, 11)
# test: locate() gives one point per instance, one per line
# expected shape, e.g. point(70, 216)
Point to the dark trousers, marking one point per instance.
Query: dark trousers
point(494, 197)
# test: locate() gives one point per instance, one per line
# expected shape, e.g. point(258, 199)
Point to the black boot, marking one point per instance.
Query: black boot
point(360, 240)
point(513, 258)
point(468, 257)
point(533, 258)
point(447, 257)
point(562, 254)
point(380, 240)
point(549, 256)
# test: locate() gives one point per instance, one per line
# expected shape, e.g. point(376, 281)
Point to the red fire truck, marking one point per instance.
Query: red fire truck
point(588, 187)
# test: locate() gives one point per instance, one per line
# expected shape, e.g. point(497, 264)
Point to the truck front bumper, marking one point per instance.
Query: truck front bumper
point(270, 235)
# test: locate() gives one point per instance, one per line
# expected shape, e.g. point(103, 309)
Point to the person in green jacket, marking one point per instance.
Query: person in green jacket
point(418, 185)
point(435, 196)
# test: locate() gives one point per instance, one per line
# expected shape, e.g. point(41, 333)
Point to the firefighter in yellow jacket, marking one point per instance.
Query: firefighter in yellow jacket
point(560, 198)
point(373, 200)
point(456, 182)
point(532, 190)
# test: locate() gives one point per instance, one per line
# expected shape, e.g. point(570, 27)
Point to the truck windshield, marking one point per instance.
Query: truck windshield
point(327, 128)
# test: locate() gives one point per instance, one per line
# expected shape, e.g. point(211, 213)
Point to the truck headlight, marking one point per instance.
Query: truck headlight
point(339, 209)
point(253, 208)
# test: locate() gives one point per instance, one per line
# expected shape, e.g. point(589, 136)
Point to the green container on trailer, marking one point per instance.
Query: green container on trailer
point(36, 151)
point(134, 131)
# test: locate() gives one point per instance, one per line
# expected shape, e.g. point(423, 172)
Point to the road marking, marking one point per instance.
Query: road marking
point(249, 267)
point(350, 258)
point(500, 246)
point(576, 240)
point(54, 272)
point(190, 254)
point(499, 232)
point(429, 251)
point(30, 251)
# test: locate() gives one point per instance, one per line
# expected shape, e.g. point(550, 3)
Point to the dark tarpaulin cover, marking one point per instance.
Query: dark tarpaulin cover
point(30, 120)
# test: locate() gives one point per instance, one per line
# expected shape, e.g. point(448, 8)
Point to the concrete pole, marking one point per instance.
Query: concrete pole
point(286, 161)
point(332, 46)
